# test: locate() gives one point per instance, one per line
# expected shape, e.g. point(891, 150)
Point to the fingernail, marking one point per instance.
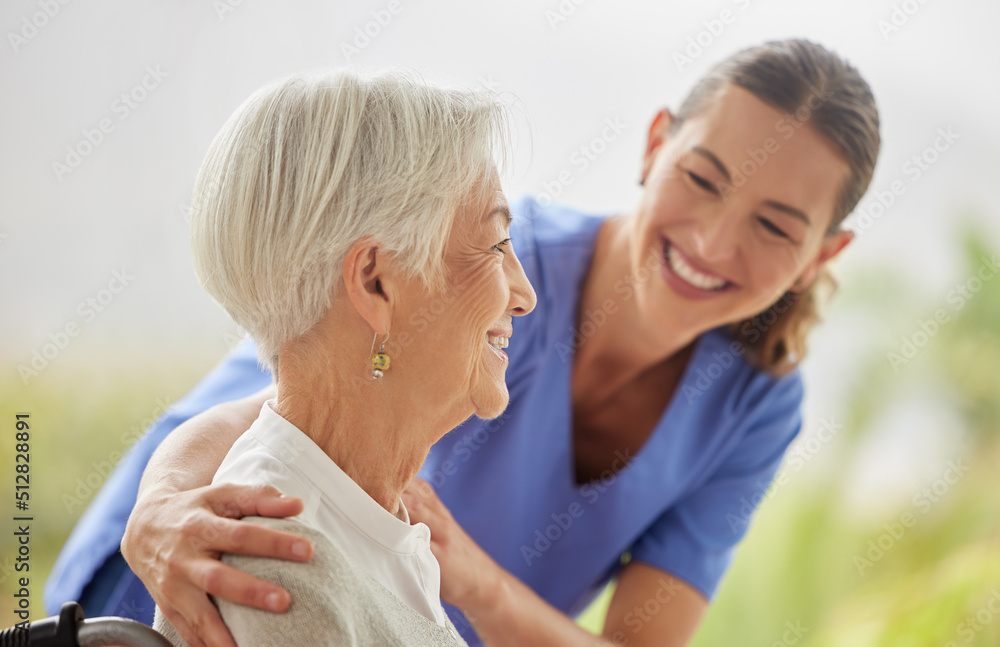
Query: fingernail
point(273, 601)
point(300, 549)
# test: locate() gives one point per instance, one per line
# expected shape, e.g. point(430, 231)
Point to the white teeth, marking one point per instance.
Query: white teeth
point(691, 275)
point(497, 342)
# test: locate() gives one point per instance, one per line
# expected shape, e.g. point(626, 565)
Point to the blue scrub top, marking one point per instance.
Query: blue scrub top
point(680, 504)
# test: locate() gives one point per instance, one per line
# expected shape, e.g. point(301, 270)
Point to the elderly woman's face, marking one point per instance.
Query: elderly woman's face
point(459, 333)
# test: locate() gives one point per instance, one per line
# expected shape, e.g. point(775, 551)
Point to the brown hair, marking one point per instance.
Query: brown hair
point(791, 75)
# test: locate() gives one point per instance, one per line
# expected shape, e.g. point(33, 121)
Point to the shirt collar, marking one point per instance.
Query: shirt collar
point(335, 488)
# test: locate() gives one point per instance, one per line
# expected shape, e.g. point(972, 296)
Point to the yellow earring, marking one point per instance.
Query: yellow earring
point(380, 361)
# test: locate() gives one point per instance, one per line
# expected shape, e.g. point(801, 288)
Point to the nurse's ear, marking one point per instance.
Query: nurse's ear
point(658, 131)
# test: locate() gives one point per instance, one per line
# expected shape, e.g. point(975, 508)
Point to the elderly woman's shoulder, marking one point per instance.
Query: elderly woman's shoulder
point(334, 602)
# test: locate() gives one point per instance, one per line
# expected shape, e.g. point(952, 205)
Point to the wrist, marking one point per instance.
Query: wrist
point(492, 598)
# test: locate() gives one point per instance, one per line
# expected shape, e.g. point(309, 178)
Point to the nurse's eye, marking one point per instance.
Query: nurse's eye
point(501, 244)
point(702, 183)
point(771, 227)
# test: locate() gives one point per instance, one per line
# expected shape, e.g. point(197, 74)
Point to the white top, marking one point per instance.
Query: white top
point(395, 553)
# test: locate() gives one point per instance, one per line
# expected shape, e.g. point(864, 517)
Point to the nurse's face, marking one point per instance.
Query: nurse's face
point(735, 212)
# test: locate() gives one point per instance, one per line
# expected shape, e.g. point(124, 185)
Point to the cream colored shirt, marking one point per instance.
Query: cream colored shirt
point(396, 553)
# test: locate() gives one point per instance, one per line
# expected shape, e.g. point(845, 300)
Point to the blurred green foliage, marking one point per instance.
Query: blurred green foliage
point(84, 417)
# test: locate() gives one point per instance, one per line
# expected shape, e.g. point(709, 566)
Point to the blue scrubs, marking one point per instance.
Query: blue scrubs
point(680, 504)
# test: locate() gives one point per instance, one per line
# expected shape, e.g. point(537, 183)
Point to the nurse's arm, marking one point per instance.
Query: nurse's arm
point(181, 523)
point(506, 612)
point(651, 607)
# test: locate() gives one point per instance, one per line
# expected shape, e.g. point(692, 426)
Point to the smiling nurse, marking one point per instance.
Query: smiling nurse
point(642, 431)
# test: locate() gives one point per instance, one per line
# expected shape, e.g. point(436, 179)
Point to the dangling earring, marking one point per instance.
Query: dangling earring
point(380, 361)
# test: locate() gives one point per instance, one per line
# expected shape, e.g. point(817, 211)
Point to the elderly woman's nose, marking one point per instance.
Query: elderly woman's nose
point(522, 295)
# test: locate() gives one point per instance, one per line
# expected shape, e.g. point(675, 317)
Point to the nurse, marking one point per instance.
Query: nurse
point(653, 392)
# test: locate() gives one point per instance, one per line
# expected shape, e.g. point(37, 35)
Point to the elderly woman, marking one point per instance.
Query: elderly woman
point(329, 210)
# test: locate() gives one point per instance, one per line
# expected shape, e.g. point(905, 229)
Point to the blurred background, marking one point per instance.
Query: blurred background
point(885, 527)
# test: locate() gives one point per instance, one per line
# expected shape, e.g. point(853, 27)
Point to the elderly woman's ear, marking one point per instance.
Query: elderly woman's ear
point(369, 277)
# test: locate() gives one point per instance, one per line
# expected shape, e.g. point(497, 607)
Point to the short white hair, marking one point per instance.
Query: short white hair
point(310, 164)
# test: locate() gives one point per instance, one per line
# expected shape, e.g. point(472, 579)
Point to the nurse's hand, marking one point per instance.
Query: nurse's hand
point(173, 542)
point(468, 575)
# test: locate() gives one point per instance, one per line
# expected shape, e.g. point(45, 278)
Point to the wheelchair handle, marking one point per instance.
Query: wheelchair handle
point(70, 629)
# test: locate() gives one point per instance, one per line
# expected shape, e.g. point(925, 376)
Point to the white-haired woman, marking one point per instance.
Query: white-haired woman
point(329, 210)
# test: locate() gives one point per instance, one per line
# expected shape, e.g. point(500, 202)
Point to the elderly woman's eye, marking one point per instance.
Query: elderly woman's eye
point(497, 247)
